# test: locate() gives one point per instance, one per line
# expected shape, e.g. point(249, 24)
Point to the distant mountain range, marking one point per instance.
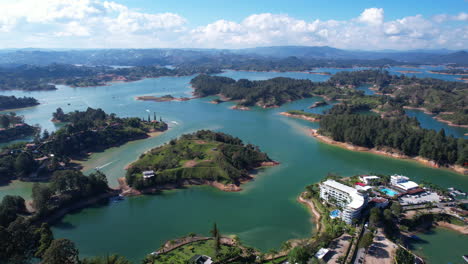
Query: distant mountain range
point(14, 57)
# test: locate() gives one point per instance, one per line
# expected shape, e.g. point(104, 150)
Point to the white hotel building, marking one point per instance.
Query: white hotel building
point(348, 198)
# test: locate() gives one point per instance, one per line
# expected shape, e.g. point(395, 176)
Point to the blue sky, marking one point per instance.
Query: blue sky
point(350, 24)
point(201, 12)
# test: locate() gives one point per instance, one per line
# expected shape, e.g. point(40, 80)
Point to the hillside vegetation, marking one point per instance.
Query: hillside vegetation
point(204, 155)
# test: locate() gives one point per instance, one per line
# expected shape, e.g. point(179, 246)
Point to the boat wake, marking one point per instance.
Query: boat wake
point(103, 166)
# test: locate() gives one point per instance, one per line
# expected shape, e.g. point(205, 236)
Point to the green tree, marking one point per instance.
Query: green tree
point(299, 254)
point(61, 251)
point(4, 121)
point(112, 259)
point(374, 217)
point(45, 239)
point(24, 164)
point(366, 240)
point(41, 195)
point(396, 208)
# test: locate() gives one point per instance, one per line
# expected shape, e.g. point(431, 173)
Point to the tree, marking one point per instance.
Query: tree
point(61, 251)
point(45, 239)
point(24, 164)
point(374, 217)
point(112, 259)
point(9, 209)
point(299, 254)
point(4, 121)
point(41, 195)
point(366, 240)
point(396, 208)
point(403, 256)
point(217, 239)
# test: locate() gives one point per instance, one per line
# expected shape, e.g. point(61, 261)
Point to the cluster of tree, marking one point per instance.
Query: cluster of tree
point(387, 219)
point(13, 127)
point(93, 129)
point(10, 102)
point(402, 133)
point(437, 96)
point(218, 157)
point(266, 93)
point(403, 256)
point(21, 240)
point(84, 132)
point(67, 187)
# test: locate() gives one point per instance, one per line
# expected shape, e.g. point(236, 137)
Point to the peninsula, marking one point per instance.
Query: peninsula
point(13, 102)
point(204, 157)
point(84, 132)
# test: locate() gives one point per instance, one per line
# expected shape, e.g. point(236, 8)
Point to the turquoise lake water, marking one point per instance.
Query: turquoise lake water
point(263, 215)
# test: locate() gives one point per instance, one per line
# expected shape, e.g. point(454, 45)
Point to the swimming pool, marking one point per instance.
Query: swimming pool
point(389, 192)
point(335, 214)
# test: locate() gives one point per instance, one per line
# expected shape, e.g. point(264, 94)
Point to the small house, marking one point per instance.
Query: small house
point(148, 174)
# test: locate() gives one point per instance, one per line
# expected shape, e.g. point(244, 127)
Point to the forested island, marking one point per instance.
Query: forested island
point(451, 72)
point(11, 102)
point(204, 157)
point(399, 137)
point(86, 131)
point(43, 78)
point(268, 93)
point(13, 127)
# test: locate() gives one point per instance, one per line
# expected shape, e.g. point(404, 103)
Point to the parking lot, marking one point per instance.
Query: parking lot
point(421, 198)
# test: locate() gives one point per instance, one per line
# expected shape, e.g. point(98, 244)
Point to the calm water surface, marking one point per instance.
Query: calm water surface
point(263, 215)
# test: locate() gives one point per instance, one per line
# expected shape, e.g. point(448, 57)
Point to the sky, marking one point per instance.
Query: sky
point(346, 24)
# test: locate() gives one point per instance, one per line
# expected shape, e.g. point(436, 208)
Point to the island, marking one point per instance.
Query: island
point(451, 72)
point(266, 93)
point(12, 102)
point(164, 98)
point(202, 158)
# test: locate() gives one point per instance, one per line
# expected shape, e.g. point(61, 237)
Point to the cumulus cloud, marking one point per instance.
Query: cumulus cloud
point(372, 16)
point(107, 24)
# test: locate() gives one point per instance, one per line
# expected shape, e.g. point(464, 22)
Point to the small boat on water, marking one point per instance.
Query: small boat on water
point(465, 257)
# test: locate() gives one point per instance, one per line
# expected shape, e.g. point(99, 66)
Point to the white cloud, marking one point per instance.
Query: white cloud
point(440, 18)
point(107, 24)
point(372, 16)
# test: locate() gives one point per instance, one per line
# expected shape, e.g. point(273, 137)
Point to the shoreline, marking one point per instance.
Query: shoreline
point(445, 73)
point(127, 190)
point(79, 161)
point(303, 117)
point(454, 168)
point(460, 229)
point(436, 117)
point(316, 216)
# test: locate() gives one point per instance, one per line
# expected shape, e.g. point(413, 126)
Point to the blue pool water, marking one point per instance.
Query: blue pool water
point(389, 192)
point(334, 214)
